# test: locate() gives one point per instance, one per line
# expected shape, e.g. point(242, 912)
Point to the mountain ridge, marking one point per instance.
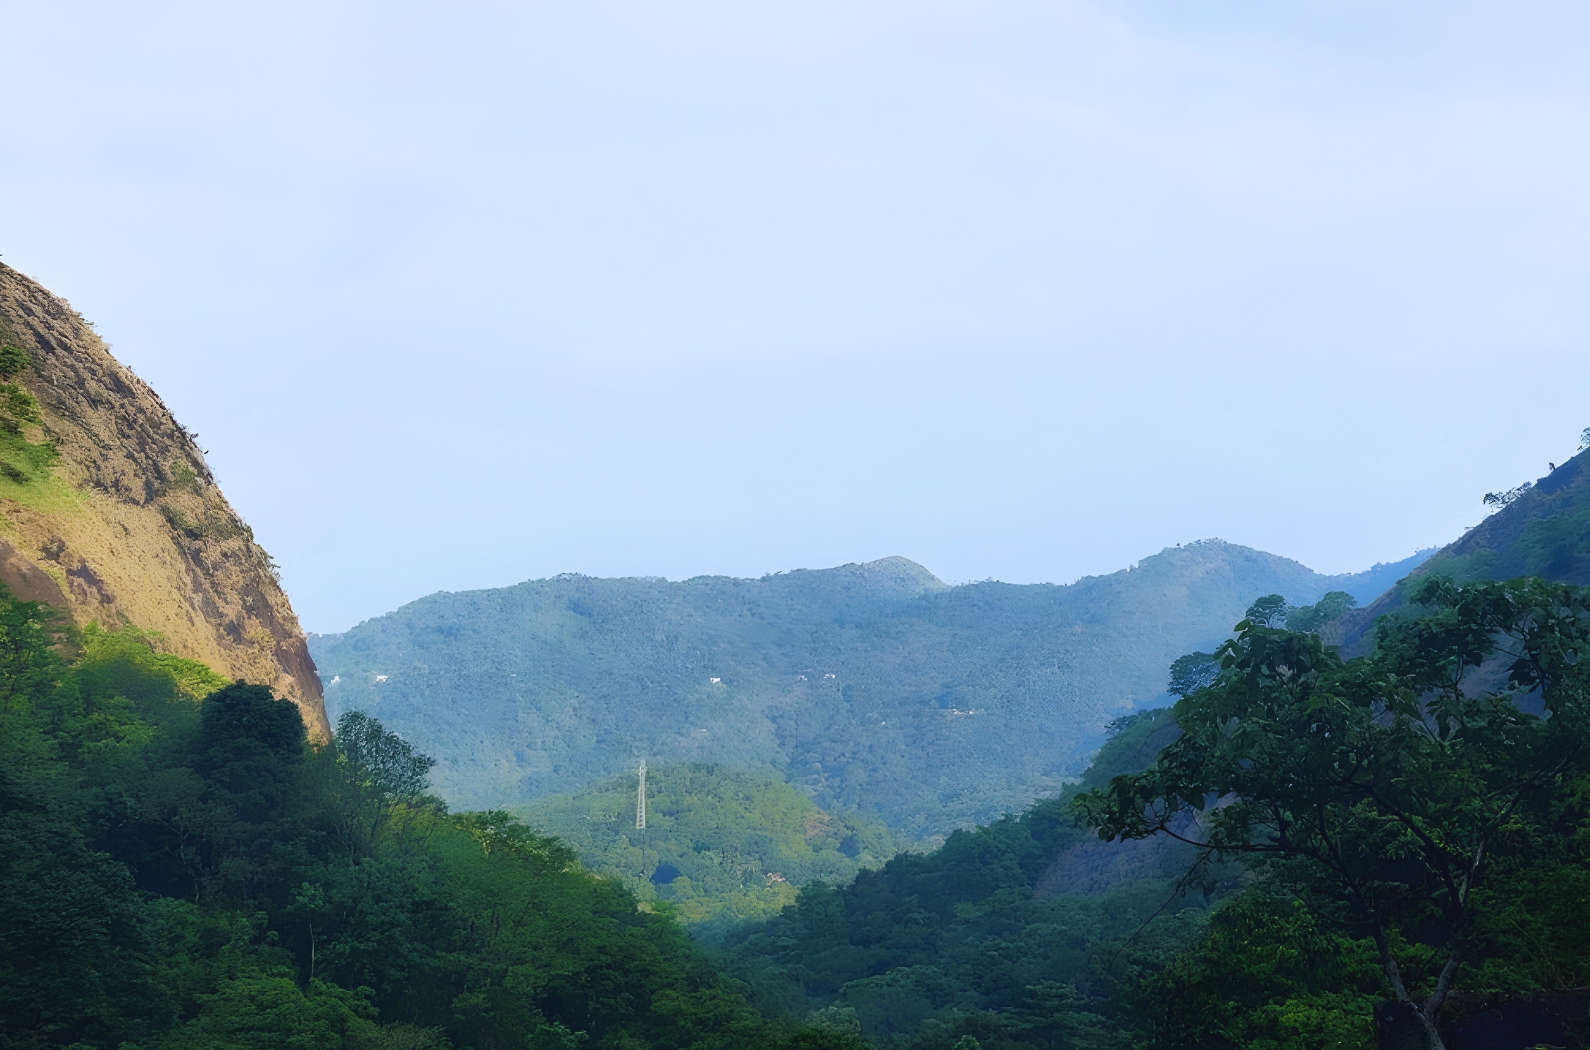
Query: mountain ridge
point(1542, 529)
point(873, 686)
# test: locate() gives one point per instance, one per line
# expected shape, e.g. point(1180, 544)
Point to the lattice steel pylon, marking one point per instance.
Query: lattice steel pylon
point(640, 799)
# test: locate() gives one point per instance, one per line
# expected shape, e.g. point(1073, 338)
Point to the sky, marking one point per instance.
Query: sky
point(461, 294)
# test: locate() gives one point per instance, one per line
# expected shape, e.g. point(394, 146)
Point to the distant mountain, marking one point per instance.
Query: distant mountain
point(1542, 529)
point(1370, 584)
point(875, 687)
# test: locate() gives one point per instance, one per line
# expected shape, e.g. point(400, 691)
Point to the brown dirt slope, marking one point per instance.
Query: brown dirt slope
point(129, 528)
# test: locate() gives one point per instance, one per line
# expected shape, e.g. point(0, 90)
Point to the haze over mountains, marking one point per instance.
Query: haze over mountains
point(876, 687)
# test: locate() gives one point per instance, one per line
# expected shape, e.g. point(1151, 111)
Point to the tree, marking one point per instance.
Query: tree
point(1379, 789)
point(29, 635)
point(251, 745)
point(384, 762)
point(1269, 611)
point(1497, 500)
point(375, 773)
point(1313, 617)
point(1191, 673)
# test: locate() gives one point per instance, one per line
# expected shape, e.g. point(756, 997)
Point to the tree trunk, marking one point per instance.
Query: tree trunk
point(1432, 1005)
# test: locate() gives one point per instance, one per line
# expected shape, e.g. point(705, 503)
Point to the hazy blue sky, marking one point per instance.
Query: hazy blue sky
point(459, 294)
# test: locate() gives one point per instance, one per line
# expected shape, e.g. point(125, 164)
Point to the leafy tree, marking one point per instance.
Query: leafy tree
point(1380, 790)
point(1312, 617)
point(251, 745)
point(29, 634)
point(173, 877)
point(1497, 500)
point(1269, 611)
point(1268, 972)
point(1191, 673)
point(375, 774)
point(384, 762)
point(273, 1013)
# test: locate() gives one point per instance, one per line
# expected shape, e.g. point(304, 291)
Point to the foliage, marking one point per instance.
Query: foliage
point(126, 658)
point(1495, 501)
point(992, 939)
point(1544, 530)
point(1268, 611)
point(13, 361)
point(177, 875)
point(21, 460)
point(973, 942)
point(1381, 790)
point(719, 845)
point(1310, 618)
point(383, 762)
point(1192, 672)
point(1266, 973)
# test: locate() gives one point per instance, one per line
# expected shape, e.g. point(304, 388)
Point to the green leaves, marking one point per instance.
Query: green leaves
point(20, 459)
point(384, 763)
point(13, 361)
point(1378, 788)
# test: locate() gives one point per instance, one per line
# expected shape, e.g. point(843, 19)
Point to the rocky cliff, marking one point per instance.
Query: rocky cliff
point(124, 525)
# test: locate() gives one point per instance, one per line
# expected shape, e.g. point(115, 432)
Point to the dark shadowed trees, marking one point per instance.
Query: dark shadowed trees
point(1379, 790)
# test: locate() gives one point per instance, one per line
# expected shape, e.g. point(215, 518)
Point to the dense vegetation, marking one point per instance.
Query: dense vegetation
point(719, 845)
point(1314, 838)
point(21, 460)
point(184, 874)
point(875, 688)
point(989, 936)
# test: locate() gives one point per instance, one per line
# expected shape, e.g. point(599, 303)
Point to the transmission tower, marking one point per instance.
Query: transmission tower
point(640, 799)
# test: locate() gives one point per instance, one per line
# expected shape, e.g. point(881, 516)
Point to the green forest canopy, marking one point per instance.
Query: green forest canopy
point(719, 844)
point(185, 875)
point(195, 874)
point(1247, 947)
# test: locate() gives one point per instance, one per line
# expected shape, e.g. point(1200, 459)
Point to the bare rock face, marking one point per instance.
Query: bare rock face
point(128, 527)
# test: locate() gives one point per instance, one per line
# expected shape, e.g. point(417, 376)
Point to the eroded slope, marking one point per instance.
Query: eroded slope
point(128, 526)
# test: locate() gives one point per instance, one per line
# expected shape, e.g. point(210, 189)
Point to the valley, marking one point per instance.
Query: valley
point(1215, 799)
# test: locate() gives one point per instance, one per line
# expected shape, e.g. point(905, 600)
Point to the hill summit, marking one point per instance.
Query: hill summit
point(109, 511)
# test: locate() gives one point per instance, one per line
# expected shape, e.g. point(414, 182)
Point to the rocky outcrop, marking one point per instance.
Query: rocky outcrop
point(128, 527)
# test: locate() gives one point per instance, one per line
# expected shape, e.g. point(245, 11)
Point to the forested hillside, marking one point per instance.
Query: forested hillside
point(719, 845)
point(874, 687)
point(1539, 528)
point(196, 875)
point(1319, 855)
